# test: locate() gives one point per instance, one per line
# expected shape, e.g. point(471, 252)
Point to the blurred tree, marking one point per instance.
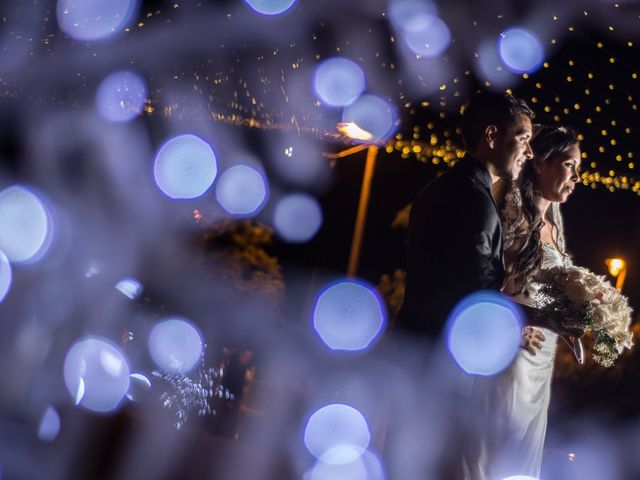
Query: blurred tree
point(236, 250)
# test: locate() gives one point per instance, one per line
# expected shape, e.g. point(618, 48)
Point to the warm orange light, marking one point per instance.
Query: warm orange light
point(353, 131)
point(616, 265)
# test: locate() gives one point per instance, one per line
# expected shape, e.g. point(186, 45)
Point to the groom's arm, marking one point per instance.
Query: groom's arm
point(533, 318)
point(475, 244)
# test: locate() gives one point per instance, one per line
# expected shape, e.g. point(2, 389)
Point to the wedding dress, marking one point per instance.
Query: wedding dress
point(512, 407)
point(512, 412)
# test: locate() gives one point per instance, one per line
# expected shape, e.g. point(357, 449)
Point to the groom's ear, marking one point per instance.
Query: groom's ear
point(490, 135)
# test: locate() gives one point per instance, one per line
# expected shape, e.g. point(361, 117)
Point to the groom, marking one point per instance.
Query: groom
point(455, 239)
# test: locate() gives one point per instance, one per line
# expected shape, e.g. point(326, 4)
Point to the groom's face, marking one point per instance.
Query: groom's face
point(512, 147)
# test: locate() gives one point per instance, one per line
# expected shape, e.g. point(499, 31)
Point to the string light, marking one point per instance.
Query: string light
point(250, 99)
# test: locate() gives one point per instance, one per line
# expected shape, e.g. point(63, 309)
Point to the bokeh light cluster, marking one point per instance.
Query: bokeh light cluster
point(88, 20)
point(185, 167)
point(339, 81)
point(297, 217)
point(520, 50)
point(121, 96)
point(270, 7)
point(338, 436)
point(348, 315)
point(96, 94)
point(5, 276)
point(25, 226)
point(130, 287)
point(175, 345)
point(96, 374)
point(241, 190)
point(337, 433)
point(139, 385)
point(484, 332)
point(49, 425)
point(372, 114)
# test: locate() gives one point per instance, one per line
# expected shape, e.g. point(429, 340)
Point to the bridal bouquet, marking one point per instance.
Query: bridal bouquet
point(574, 297)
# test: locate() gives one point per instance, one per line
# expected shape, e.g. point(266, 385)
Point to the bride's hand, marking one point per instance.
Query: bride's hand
point(531, 339)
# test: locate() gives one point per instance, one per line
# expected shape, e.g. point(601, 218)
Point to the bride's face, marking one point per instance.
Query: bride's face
point(557, 176)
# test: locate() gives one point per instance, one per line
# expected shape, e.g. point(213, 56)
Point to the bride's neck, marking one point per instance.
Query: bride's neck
point(542, 204)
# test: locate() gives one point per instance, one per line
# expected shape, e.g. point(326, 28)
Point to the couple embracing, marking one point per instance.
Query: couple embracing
point(493, 223)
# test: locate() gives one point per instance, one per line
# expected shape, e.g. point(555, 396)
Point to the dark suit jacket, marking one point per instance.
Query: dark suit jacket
point(454, 246)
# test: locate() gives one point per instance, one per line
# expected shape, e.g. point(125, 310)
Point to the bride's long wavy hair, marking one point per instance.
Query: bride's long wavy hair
point(547, 143)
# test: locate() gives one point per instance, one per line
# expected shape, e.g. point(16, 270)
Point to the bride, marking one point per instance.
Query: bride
point(513, 441)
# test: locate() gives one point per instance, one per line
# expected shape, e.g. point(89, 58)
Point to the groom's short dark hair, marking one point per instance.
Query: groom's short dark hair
point(489, 108)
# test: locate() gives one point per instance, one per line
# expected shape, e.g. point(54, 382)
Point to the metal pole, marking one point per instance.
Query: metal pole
point(356, 242)
point(621, 277)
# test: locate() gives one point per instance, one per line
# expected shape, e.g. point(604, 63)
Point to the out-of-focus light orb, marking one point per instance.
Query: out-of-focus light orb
point(5, 276)
point(92, 270)
point(366, 466)
point(297, 217)
point(270, 7)
point(483, 333)
point(175, 345)
point(375, 471)
point(338, 81)
point(521, 477)
point(428, 36)
point(130, 287)
point(353, 470)
point(49, 425)
point(594, 453)
point(121, 96)
point(337, 434)
point(24, 225)
point(489, 67)
point(88, 20)
point(407, 14)
point(185, 167)
point(80, 392)
point(373, 114)
point(139, 384)
point(241, 190)
point(520, 50)
point(96, 374)
point(348, 315)
point(299, 160)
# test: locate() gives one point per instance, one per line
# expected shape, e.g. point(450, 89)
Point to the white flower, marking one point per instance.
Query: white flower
point(578, 293)
point(601, 317)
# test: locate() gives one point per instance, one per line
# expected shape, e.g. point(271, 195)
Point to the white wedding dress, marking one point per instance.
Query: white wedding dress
point(512, 435)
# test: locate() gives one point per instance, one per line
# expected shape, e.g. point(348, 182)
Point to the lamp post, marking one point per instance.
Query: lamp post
point(617, 269)
point(354, 132)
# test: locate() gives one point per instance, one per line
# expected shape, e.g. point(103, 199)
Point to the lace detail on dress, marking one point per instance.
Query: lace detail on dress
point(551, 258)
point(512, 216)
